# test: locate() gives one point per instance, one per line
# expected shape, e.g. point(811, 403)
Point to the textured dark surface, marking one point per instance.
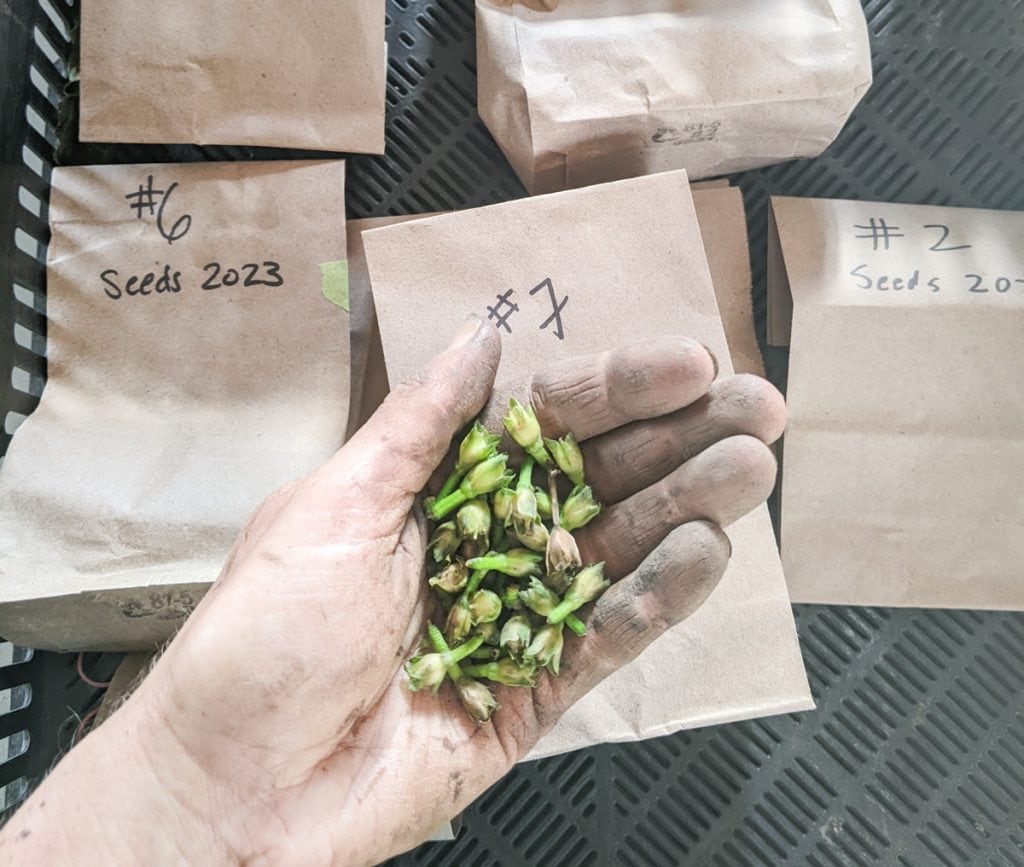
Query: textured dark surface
point(915, 755)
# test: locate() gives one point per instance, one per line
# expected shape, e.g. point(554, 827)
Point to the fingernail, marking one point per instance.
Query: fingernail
point(714, 359)
point(466, 331)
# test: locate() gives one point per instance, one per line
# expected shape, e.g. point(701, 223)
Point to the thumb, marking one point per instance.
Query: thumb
point(410, 433)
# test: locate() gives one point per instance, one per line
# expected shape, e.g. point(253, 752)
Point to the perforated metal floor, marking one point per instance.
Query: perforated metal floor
point(915, 755)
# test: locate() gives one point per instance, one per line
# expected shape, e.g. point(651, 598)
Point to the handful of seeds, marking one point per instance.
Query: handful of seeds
point(503, 562)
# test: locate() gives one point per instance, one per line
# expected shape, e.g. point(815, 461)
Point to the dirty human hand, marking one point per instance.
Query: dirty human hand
point(277, 729)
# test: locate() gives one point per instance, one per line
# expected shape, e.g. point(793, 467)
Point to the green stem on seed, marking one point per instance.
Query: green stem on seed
point(525, 474)
point(576, 625)
point(475, 580)
point(450, 484)
point(456, 655)
point(562, 610)
point(441, 646)
point(538, 453)
point(443, 505)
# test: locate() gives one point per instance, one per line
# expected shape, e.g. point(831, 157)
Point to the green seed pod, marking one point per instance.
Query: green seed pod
point(585, 587)
point(516, 634)
point(516, 562)
point(546, 647)
point(425, 672)
point(567, 455)
point(506, 671)
point(476, 447)
point(538, 598)
point(474, 519)
point(534, 537)
point(579, 508)
point(484, 607)
point(502, 501)
point(521, 422)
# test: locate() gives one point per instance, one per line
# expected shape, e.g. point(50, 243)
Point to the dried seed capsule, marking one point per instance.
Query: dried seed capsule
point(586, 586)
point(489, 632)
point(516, 562)
point(567, 455)
point(459, 624)
point(546, 647)
point(453, 577)
point(476, 698)
point(558, 581)
point(562, 554)
point(579, 508)
point(534, 537)
point(516, 634)
point(445, 541)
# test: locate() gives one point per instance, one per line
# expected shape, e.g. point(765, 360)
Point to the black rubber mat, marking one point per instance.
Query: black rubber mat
point(915, 755)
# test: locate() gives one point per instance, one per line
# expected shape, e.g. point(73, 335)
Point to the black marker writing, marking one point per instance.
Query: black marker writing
point(558, 306)
point(879, 232)
point(937, 246)
point(497, 311)
point(146, 198)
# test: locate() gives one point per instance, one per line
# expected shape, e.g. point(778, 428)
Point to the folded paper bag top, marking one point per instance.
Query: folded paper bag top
point(581, 272)
point(904, 456)
point(583, 91)
point(194, 366)
point(307, 74)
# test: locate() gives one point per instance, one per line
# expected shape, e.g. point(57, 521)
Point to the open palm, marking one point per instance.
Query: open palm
point(281, 705)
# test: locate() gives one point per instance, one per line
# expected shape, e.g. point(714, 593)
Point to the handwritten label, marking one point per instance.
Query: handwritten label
point(882, 236)
point(504, 308)
point(688, 133)
point(152, 203)
point(163, 605)
point(155, 201)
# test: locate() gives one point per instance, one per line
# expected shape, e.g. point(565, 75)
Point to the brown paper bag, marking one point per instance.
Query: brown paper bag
point(194, 366)
point(578, 92)
point(633, 268)
point(904, 456)
point(723, 227)
point(369, 373)
point(307, 74)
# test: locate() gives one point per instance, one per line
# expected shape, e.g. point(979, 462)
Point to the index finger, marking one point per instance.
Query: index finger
point(593, 394)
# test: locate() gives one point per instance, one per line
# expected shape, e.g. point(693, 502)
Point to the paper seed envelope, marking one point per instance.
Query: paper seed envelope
point(303, 74)
point(195, 365)
point(903, 470)
point(628, 257)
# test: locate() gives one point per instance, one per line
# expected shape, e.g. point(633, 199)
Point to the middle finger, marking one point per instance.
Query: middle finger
point(721, 484)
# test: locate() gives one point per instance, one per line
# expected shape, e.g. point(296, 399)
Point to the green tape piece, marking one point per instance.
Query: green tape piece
point(334, 282)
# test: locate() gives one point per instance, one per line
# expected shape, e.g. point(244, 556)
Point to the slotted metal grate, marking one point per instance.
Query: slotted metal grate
point(915, 755)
